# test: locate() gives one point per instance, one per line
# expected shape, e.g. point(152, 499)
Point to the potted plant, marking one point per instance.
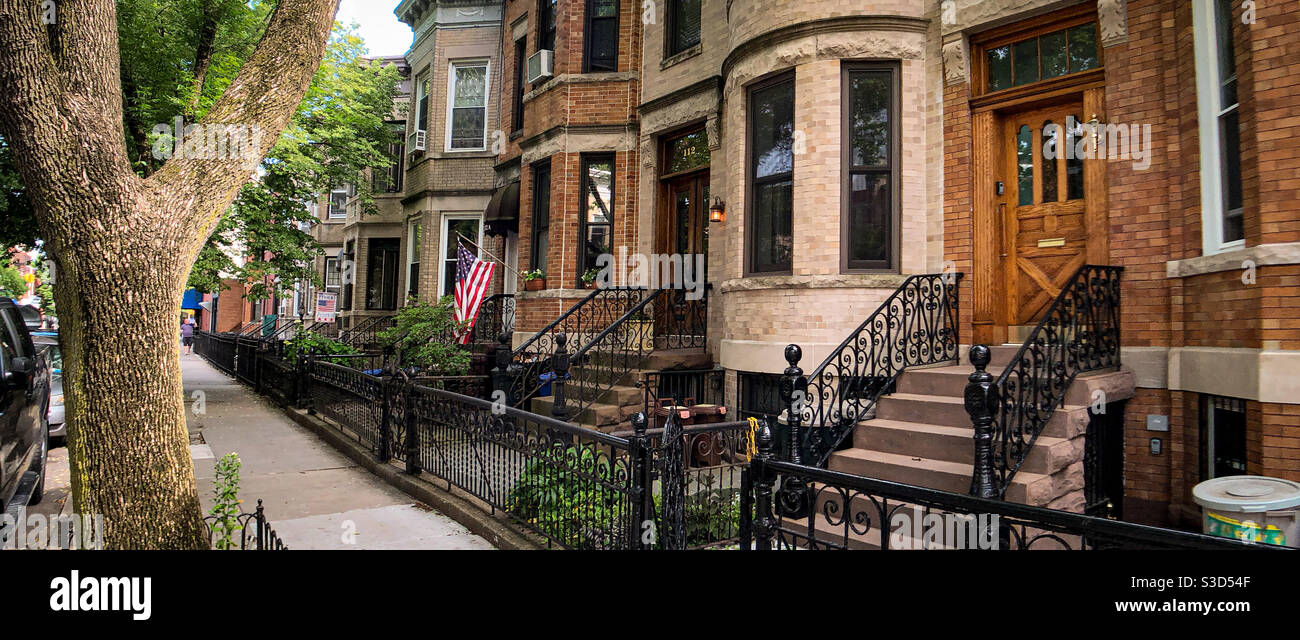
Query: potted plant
point(589, 278)
point(534, 280)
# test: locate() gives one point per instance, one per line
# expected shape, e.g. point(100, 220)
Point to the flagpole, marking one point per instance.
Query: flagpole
point(489, 254)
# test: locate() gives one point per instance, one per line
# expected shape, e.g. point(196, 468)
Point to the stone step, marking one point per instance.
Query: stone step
point(954, 444)
point(597, 415)
point(1067, 421)
point(1026, 488)
point(951, 381)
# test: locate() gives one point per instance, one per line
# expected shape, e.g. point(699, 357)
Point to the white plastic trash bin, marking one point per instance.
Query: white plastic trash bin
point(1252, 508)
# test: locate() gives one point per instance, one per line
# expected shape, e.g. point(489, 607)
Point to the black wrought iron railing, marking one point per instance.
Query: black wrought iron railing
point(680, 387)
point(579, 324)
point(791, 506)
point(915, 326)
point(1079, 333)
point(254, 532)
point(495, 317)
point(364, 334)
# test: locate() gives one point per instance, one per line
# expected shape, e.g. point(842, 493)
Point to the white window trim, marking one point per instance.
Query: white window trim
point(329, 207)
point(442, 244)
point(1208, 110)
point(451, 99)
point(413, 252)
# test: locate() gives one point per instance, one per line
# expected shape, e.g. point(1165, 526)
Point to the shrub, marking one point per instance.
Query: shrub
point(225, 512)
point(424, 337)
point(559, 494)
point(307, 342)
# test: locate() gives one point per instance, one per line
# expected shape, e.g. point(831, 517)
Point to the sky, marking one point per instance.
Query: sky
point(384, 34)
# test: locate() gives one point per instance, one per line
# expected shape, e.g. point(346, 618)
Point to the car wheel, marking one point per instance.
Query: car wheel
point(39, 491)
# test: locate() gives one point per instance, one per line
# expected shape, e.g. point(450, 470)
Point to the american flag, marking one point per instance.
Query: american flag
point(472, 278)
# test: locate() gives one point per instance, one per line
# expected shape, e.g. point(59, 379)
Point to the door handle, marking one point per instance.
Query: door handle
point(1002, 228)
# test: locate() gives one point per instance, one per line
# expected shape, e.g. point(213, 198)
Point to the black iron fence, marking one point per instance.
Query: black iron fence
point(672, 487)
point(255, 532)
point(801, 507)
point(1079, 333)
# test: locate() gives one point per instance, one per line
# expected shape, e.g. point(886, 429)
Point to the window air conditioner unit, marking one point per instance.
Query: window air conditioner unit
point(421, 140)
point(541, 65)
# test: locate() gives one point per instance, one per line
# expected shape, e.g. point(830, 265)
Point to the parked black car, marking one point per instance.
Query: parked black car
point(24, 404)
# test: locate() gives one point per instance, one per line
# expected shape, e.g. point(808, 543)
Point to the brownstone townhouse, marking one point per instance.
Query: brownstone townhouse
point(1105, 193)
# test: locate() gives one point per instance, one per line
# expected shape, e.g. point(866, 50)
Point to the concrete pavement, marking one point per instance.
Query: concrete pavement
point(315, 497)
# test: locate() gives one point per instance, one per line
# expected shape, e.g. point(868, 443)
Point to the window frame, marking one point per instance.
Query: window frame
point(371, 254)
point(390, 179)
point(521, 77)
point(671, 17)
point(451, 100)
point(585, 161)
point(442, 245)
point(587, 20)
point(893, 169)
point(543, 31)
point(1067, 18)
point(539, 168)
point(422, 82)
point(329, 212)
point(335, 271)
point(1209, 111)
point(1206, 404)
point(414, 230)
point(750, 169)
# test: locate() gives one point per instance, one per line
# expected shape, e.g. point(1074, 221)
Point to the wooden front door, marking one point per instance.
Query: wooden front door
point(683, 230)
point(1042, 209)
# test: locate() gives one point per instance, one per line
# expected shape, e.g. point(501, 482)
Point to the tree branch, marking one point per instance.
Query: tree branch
point(264, 96)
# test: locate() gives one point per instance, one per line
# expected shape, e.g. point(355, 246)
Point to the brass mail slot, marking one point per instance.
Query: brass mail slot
point(1051, 242)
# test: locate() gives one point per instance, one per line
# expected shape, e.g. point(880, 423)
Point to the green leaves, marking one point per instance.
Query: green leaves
point(309, 342)
point(225, 512)
point(424, 338)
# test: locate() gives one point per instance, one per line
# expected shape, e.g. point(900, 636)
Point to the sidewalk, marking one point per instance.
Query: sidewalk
point(315, 497)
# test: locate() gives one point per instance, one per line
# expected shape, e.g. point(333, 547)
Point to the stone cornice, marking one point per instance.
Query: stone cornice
point(819, 27)
point(713, 83)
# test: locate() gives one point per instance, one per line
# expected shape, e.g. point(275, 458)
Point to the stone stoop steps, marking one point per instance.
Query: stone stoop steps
point(922, 435)
point(615, 407)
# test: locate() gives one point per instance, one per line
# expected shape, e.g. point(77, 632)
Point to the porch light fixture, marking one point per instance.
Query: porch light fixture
point(718, 211)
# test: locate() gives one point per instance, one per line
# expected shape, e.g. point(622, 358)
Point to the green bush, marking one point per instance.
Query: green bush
point(307, 342)
point(225, 511)
point(424, 339)
point(569, 504)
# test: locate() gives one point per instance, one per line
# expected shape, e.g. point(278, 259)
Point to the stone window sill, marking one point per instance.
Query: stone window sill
point(681, 56)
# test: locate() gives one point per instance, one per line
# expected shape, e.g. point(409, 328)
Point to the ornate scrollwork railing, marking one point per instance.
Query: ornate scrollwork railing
point(364, 333)
point(495, 316)
point(800, 507)
point(1079, 333)
point(916, 325)
point(583, 322)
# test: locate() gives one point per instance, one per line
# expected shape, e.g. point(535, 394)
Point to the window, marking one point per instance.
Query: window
point(467, 106)
point(1216, 95)
point(683, 28)
point(339, 203)
point(521, 64)
point(382, 274)
point(760, 395)
point(546, 24)
point(869, 235)
point(333, 278)
point(453, 227)
point(413, 260)
point(389, 179)
point(541, 215)
point(686, 152)
point(348, 272)
point(771, 176)
point(602, 35)
point(597, 224)
point(1223, 437)
point(1052, 55)
point(422, 102)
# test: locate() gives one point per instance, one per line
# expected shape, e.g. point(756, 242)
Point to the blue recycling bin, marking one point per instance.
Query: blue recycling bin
point(546, 378)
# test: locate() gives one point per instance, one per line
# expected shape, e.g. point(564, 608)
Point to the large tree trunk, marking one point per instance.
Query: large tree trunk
point(124, 245)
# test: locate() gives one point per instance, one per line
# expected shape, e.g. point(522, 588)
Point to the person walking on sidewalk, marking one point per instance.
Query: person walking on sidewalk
point(187, 334)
